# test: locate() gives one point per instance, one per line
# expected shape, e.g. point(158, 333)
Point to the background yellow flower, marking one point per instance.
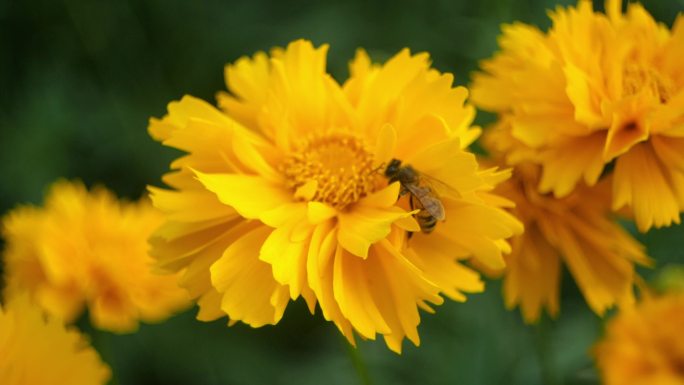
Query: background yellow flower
point(41, 351)
point(644, 345)
point(578, 231)
point(284, 195)
point(596, 94)
point(88, 249)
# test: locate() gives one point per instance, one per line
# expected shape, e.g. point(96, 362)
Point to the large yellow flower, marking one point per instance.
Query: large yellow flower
point(283, 195)
point(577, 230)
point(597, 90)
point(644, 345)
point(35, 350)
point(86, 248)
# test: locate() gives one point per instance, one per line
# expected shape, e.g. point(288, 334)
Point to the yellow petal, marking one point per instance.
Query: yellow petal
point(307, 191)
point(408, 223)
point(622, 135)
point(532, 277)
point(440, 267)
point(320, 276)
point(256, 158)
point(603, 277)
point(669, 150)
point(319, 212)
point(287, 254)
point(190, 107)
point(362, 226)
point(427, 131)
point(477, 228)
point(614, 9)
point(641, 182)
point(581, 92)
point(248, 80)
point(386, 145)
point(189, 206)
point(249, 195)
point(210, 306)
point(384, 198)
point(249, 292)
point(405, 288)
point(571, 161)
point(448, 163)
point(353, 295)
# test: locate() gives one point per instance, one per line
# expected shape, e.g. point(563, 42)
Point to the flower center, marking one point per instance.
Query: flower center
point(338, 165)
point(637, 78)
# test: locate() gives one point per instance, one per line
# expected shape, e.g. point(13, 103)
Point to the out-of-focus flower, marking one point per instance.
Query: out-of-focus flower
point(87, 248)
point(577, 230)
point(283, 194)
point(644, 345)
point(39, 350)
point(596, 90)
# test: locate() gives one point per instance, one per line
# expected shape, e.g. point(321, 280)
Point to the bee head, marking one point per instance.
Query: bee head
point(393, 168)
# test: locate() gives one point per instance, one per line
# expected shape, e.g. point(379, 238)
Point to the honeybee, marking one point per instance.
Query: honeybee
point(422, 197)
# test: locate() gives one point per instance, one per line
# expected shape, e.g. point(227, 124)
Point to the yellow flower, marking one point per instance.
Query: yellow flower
point(86, 248)
point(37, 350)
point(283, 195)
point(644, 345)
point(577, 230)
point(597, 90)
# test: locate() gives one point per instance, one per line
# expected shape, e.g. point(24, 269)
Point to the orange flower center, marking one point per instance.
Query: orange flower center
point(334, 168)
point(638, 78)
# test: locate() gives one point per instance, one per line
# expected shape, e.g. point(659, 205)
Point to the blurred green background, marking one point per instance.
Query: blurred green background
point(78, 82)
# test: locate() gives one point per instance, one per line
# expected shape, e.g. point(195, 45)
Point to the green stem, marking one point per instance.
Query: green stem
point(358, 363)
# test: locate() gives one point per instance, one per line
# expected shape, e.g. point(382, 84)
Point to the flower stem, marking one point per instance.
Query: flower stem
point(358, 363)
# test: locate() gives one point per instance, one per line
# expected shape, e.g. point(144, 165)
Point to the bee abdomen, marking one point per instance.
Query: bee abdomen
point(426, 221)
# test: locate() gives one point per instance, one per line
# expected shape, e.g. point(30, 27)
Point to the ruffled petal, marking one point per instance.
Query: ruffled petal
point(570, 162)
point(369, 220)
point(247, 79)
point(600, 259)
point(441, 268)
point(249, 292)
point(286, 250)
point(215, 142)
point(363, 226)
point(641, 182)
point(381, 294)
point(533, 273)
point(476, 229)
point(322, 252)
point(580, 90)
point(180, 113)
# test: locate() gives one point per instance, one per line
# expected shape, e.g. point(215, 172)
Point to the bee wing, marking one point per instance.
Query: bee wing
point(441, 188)
point(428, 200)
